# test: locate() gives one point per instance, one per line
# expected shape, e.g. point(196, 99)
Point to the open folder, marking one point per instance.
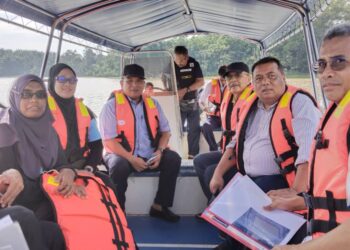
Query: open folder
point(238, 211)
point(11, 235)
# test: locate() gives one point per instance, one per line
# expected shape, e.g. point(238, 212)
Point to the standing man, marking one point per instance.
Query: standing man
point(189, 79)
point(135, 133)
point(209, 101)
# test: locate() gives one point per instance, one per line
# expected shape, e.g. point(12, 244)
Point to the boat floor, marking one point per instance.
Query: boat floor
point(188, 234)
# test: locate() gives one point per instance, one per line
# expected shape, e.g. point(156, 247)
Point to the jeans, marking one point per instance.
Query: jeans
point(193, 129)
point(212, 122)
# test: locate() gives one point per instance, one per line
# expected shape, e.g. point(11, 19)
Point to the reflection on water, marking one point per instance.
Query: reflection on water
point(94, 91)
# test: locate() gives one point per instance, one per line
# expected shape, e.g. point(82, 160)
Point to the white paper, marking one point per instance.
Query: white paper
point(238, 210)
point(5, 221)
point(11, 237)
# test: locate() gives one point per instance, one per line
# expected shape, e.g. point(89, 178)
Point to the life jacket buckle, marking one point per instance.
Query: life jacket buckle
point(320, 142)
point(279, 160)
point(308, 200)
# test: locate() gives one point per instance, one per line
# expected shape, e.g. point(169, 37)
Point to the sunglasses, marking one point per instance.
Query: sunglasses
point(336, 63)
point(63, 80)
point(27, 95)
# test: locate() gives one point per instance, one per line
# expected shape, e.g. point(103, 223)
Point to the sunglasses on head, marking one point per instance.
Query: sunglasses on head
point(63, 80)
point(336, 63)
point(41, 94)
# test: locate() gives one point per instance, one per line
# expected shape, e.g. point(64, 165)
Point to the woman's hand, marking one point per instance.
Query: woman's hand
point(66, 182)
point(12, 178)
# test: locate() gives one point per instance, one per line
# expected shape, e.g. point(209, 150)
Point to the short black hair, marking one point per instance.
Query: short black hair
point(222, 70)
point(268, 59)
point(339, 30)
point(181, 50)
point(149, 84)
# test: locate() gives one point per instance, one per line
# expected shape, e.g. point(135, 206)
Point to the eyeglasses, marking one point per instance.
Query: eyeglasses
point(27, 95)
point(63, 80)
point(336, 63)
point(259, 79)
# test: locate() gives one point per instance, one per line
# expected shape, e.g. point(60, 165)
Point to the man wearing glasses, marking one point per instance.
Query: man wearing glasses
point(135, 133)
point(328, 196)
point(273, 135)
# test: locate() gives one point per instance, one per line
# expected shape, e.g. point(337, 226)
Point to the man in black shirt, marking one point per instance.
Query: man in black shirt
point(189, 79)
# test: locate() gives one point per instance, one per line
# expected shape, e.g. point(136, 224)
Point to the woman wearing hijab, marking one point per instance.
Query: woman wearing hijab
point(28, 146)
point(74, 122)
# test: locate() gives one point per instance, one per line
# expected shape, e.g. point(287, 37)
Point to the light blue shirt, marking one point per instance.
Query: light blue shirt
point(108, 126)
point(94, 134)
point(258, 154)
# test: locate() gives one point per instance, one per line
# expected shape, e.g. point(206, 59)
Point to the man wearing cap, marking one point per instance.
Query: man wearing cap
point(135, 134)
point(238, 88)
point(209, 101)
point(273, 136)
point(189, 79)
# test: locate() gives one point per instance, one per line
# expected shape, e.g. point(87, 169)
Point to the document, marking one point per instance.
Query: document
point(238, 211)
point(11, 235)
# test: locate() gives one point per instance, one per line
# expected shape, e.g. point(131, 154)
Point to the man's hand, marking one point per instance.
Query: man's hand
point(79, 190)
point(14, 181)
point(216, 183)
point(286, 247)
point(155, 163)
point(66, 182)
point(181, 93)
point(285, 199)
point(138, 163)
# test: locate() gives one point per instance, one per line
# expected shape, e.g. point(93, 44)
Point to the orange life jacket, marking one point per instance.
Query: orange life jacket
point(326, 198)
point(229, 123)
point(215, 96)
point(83, 121)
point(282, 138)
point(95, 222)
point(126, 127)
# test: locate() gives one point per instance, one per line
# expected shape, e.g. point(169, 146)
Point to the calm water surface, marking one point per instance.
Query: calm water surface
point(94, 91)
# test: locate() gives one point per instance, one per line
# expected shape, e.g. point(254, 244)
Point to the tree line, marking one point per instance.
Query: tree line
point(211, 51)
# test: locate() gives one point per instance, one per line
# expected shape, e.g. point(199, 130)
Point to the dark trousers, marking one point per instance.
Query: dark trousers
point(40, 235)
point(193, 129)
point(120, 169)
point(267, 183)
point(205, 165)
point(212, 122)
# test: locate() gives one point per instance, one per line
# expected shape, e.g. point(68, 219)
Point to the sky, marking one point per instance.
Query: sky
point(14, 37)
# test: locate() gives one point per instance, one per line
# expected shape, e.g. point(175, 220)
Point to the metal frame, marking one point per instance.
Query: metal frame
point(66, 19)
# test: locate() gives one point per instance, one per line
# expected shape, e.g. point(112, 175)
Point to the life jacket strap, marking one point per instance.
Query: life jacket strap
point(319, 226)
point(288, 169)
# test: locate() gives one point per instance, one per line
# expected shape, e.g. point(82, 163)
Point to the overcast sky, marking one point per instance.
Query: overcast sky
point(14, 37)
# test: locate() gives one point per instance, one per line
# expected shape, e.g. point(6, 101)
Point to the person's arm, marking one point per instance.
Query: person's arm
point(203, 98)
point(338, 239)
point(305, 121)
point(227, 161)
point(95, 146)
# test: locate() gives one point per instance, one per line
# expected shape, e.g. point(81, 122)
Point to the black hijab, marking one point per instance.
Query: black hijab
point(37, 140)
point(67, 106)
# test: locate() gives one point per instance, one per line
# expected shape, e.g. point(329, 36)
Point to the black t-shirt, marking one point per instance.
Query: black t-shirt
point(186, 76)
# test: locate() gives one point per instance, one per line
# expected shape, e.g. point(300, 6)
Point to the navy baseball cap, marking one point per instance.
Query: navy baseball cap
point(237, 67)
point(134, 70)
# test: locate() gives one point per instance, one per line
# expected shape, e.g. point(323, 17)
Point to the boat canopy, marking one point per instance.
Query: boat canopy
point(127, 25)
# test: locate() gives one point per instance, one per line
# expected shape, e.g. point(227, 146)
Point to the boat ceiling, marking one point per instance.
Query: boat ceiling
point(128, 25)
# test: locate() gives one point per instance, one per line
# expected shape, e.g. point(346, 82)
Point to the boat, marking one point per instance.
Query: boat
point(128, 26)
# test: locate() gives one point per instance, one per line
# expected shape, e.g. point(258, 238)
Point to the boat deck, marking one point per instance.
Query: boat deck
point(187, 234)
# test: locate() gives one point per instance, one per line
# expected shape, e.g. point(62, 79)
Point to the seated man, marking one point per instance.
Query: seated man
point(273, 136)
point(237, 91)
point(209, 101)
point(328, 195)
point(135, 133)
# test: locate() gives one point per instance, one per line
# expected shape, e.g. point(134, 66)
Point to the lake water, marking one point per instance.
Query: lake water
point(94, 91)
